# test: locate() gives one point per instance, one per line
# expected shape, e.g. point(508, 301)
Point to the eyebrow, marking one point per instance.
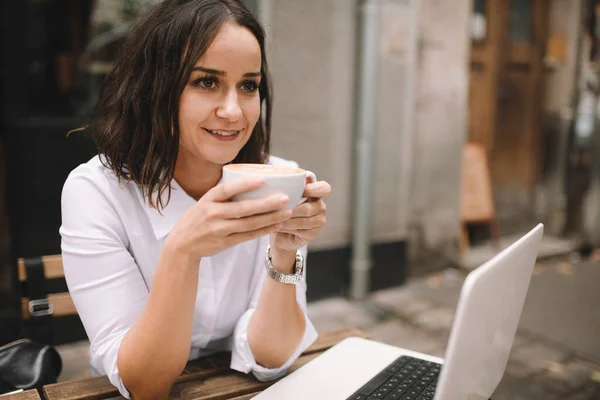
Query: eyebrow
point(223, 73)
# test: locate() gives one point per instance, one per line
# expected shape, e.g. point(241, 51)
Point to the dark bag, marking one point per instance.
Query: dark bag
point(26, 364)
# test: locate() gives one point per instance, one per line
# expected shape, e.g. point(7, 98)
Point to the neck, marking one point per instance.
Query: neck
point(196, 177)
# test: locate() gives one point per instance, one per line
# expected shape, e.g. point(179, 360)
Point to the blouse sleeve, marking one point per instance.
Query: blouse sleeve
point(104, 281)
point(242, 358)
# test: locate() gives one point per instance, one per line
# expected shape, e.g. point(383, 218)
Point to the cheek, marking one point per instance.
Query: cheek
point(192, 109)
point(252, 110)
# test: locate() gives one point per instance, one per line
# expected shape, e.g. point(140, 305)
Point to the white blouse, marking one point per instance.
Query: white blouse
point(111, 243)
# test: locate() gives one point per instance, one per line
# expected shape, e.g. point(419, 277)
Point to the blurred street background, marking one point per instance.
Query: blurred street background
point(485, 122)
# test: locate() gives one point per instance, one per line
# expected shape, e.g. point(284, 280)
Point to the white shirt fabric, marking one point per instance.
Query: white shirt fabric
point(111, 242)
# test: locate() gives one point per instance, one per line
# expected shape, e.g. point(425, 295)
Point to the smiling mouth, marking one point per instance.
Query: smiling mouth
point(223, 133)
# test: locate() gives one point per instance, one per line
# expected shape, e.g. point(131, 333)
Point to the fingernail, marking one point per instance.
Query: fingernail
point(284, 199)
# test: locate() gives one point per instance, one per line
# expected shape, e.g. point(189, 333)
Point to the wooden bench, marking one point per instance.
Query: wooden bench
point(24, 395)
point(209, 378)
point(57, 304)
point(47, 309)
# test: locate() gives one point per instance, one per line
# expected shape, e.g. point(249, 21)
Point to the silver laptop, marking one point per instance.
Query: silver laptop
point(484, 327)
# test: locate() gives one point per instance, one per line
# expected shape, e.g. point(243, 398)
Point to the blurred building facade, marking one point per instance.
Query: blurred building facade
point(504, 74)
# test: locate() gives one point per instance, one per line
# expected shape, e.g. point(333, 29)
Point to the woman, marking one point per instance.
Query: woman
point(161, 267)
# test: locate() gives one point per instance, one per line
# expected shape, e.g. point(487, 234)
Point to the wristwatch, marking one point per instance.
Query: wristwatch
point(291, 279)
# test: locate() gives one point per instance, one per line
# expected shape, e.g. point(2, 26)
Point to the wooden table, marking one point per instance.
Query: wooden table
point(207, 379)
point(25, 395)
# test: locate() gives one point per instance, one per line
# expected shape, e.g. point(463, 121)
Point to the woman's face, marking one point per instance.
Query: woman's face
point(220, 104)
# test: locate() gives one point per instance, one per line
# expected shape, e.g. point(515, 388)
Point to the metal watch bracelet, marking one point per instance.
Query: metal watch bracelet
point(291, 279)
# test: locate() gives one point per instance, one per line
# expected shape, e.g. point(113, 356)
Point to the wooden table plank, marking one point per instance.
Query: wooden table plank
point(88, 388)
point(200, 377)
point(24, 395)
point(227, 386)
point(246, 396)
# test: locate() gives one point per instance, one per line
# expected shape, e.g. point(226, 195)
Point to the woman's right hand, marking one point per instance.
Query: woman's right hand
point(214, 223)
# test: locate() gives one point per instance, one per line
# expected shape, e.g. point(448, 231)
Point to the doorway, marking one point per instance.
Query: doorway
point(506, 97)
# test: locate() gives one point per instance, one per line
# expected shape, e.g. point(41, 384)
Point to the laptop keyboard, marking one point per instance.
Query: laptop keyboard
point(407, 378)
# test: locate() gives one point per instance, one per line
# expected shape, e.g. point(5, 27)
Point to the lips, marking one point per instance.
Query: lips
point(224, 135)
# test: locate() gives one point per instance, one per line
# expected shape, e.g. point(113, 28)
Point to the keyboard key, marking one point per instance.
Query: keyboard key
point(392, 396)
point(357, 397)
point(427, 383)
point(374, 384)
point(420, 388)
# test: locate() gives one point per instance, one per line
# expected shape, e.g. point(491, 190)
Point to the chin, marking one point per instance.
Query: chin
point(220, 155)
point(223, 158)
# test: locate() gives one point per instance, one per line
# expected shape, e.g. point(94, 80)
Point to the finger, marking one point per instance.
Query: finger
point(305, 223)
point(246, 208)
point(256, 222)
point(297, 232)
point(225, 191)
point(309, 209)
point(319, 189)
point(245, 236)
point(301, 233)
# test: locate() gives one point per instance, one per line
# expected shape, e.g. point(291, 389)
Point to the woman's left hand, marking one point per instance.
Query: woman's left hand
point(306, 222)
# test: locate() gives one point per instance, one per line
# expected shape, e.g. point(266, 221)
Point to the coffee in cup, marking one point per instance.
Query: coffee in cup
point(278, 179)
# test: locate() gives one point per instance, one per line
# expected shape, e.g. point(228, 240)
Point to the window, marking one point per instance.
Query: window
point(520, 21)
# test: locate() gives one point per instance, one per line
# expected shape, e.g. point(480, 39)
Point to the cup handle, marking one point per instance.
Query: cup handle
point(313, 178)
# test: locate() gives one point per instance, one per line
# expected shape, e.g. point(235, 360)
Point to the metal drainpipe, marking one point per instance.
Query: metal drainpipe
point(408, 112)
point(367, 124)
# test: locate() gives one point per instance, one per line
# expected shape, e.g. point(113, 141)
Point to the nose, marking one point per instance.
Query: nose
point(229, 108)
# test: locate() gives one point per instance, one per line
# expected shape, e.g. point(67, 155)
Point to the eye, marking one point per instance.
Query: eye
point(249, 86)
point(208, 83)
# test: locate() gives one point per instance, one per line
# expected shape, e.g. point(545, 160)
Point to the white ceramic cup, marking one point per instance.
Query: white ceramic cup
point(278, 179)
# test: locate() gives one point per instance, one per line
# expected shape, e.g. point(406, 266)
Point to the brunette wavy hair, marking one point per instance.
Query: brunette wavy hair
point(135, 123)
